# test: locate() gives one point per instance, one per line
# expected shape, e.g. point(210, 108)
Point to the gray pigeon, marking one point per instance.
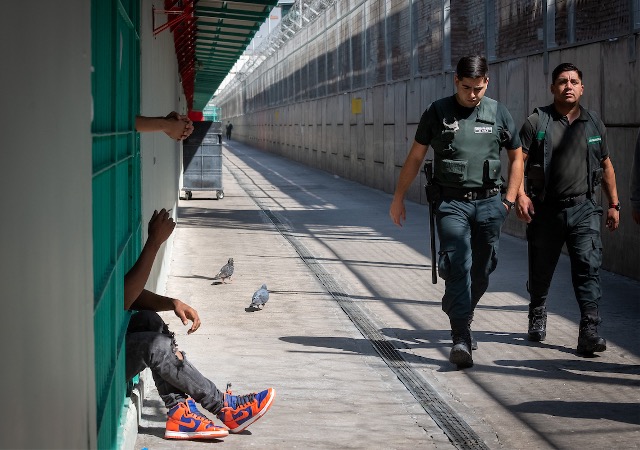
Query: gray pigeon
point(225, 271)
point(260, 297)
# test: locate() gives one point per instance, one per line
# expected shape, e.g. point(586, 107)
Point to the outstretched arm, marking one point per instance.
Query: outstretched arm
point(174, 125)
point(148, 300)
point(161, 226)
point(407, 175)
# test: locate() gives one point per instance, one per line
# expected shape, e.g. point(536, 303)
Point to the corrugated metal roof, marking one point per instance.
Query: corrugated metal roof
point(209, 37)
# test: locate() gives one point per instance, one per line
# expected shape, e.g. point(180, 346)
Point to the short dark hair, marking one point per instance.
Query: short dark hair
point(564, 67)
point(472, 67)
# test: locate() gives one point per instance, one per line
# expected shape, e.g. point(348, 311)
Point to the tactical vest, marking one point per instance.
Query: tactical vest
point(536, 181)
point(467, 151)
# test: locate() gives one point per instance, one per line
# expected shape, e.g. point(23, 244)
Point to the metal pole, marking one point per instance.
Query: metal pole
point(490, 31)
point(571, 21)
point(446, 35)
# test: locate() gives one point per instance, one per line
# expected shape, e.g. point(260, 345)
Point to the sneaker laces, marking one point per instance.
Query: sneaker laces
point(234, 401)
point(241, 400)
point(196, 412)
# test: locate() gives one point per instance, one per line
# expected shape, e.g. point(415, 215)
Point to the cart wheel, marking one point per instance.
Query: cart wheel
point(219, 195)
point(188, 195)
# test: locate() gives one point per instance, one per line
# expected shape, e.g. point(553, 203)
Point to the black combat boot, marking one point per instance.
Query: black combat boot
point(537, 323)
point(588, 339)
point(474, 343)
point(461, 352)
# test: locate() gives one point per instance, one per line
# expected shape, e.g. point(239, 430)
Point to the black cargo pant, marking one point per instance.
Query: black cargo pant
point(469, 234)
point(578, 227)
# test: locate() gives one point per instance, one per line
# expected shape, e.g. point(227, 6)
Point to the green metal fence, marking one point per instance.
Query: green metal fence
point(116, 196)
point(212, 113)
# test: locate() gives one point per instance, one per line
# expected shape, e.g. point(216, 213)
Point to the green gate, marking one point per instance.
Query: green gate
point(115, 50)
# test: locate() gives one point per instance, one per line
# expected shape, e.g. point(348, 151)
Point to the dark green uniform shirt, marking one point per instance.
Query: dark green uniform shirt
point(568, 166)
point(464, 143)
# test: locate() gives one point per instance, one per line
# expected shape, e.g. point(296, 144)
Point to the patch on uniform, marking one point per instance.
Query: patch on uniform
point(594, 139)
point(453, 126)
point(483, 130)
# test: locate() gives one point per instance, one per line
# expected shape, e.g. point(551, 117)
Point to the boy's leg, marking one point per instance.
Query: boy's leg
point(175, 377)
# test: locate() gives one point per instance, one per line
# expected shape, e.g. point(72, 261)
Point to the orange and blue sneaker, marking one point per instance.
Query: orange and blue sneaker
point(184, 421)
point(240, 411)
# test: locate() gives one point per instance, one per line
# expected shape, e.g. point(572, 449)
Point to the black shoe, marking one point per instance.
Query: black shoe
point(588, 340)
point(461, 352)
point(537, 324)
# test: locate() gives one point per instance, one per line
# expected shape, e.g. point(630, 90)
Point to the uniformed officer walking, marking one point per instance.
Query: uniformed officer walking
point(566, 158)
point(466, 131)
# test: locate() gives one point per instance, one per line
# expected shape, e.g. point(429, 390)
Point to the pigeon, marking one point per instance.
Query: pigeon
point(225, 271)
point(260, 298)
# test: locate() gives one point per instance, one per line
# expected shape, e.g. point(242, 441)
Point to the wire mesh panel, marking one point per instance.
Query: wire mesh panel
point(303, 57)
point(313, 66)
point(596, 19)
point(517, 27)
point(344, 56)
point(399, 39)
point(116, 197)
point(358, 43)
point(427, 21)
point(333, 41)
point(467, 29)
point(376, 49)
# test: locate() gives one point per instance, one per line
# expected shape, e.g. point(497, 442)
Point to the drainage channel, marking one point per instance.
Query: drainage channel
point(456, 429)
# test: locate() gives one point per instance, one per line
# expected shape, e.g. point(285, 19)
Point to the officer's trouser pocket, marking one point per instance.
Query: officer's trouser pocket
point(595, 257)
point(444, 264)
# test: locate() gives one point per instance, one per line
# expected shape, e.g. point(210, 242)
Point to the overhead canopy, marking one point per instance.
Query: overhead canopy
point(209, 37)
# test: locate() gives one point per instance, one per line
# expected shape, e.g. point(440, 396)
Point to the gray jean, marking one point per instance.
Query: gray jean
point(149, 343)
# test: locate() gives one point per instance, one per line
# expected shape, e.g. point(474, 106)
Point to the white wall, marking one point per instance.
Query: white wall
point(160, 93)
point(46, 267)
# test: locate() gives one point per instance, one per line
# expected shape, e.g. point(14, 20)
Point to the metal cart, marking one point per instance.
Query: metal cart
point(202, 159)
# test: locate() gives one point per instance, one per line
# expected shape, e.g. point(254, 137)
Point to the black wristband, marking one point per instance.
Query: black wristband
point(509, 204)
point(615, 206)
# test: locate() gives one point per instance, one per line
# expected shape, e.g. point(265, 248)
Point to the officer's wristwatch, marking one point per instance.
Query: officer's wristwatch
point(615, 206)
point(509, 204)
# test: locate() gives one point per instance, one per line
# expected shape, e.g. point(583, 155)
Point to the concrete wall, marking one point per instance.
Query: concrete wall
point(276, 109)
point(46, 264)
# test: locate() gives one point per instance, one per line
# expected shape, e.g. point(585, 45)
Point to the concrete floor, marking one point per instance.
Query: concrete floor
point(333, 389)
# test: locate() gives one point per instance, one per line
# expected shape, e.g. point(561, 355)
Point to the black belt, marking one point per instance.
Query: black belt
point(468, 194)
point(566, 202)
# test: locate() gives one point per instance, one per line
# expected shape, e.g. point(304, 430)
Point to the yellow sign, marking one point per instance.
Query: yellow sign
point(356, 106)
